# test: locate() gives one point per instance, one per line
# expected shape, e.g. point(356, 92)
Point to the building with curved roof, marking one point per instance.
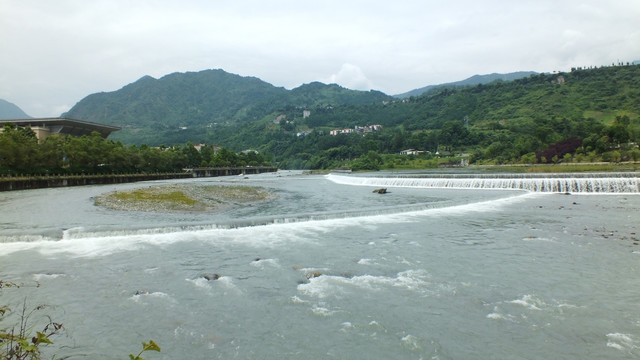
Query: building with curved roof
point(44, 127)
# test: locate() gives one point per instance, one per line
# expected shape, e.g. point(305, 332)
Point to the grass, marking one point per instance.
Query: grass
point(183, 197)
point(566, 168)
point(177, 197)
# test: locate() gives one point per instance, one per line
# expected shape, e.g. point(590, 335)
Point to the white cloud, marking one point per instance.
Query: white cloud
point(57, 52)
point(352, 77)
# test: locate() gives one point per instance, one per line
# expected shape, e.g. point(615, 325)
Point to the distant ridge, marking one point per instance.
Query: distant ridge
point(474, 80)
point(11, 111)
point(192, 104)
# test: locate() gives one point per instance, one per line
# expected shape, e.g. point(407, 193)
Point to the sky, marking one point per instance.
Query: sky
point(55, 53)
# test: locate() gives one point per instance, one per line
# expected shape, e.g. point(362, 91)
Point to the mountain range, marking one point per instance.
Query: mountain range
point(194, 102)
point(200, 99)
point(11, 111)
point(500, 121)
point(224, 95)
point(215, 106)
point(474, 80)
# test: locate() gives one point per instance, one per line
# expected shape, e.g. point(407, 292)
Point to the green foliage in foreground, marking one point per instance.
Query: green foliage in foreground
point(150, 346)
point(19, 342)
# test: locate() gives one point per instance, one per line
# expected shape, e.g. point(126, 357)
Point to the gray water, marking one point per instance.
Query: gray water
point(330, 270)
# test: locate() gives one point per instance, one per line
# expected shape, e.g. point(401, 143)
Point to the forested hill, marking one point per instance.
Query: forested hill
point(596, 94)
point(474, 80)
point(183, 107)
point(594, 113)
point(11, 111)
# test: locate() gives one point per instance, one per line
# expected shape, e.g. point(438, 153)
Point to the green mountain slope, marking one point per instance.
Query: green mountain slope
point(593, 113)
point(474, 80)
point(11, 111)
point(184, 107)
point(501, 121)
point(318, 94)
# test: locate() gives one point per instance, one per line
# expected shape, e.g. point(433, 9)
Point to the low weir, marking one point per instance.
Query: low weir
point(604, 183)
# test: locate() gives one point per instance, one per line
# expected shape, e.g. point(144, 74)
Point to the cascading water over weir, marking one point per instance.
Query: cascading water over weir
point(603, 183)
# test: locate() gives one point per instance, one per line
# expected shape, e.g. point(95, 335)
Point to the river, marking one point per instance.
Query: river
point(331, 270)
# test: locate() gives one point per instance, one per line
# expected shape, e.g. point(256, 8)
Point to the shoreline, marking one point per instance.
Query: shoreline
point(21, 182)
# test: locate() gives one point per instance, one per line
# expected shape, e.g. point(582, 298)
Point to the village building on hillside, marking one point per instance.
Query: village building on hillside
point(411, 152)
point(357, 129)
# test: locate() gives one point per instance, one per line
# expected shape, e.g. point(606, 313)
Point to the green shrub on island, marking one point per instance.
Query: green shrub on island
point(183, 197)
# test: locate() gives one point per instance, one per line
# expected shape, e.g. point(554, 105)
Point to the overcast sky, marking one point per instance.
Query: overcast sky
point(54, 53)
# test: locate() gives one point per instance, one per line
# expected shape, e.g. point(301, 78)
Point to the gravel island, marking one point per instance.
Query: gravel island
point(183, 198)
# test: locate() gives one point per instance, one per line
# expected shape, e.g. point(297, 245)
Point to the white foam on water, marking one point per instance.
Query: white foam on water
point(296, 300)
point(346, 325)
point(495, 316)
point(200, 282)
point(411, 342)
point(623, 342)
point(530, 302)
point(46, 276)
point(498, 314)
point(271, 235)
point(535, 238)
point(262, 263)
point(318, 287)
point(329, 285)
point(375, 324)
point(322, 311)
point(69, 233)
point(548, 183)
point(141, 297)
point(227, 282)
point(526, 306)
point(23, 238)
point(366, 262)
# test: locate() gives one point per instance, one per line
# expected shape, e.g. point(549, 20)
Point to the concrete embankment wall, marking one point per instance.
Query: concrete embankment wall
point(38, 182)
point(212, 172)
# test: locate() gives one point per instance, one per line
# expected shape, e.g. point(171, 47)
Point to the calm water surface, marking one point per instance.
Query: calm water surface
point(330, 270)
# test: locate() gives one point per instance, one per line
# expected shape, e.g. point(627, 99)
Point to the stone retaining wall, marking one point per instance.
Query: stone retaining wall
point(38, 182)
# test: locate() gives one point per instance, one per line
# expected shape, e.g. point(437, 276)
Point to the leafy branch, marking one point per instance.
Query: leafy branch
point(150, 346)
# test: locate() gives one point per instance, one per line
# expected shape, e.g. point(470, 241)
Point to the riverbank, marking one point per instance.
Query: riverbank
point(184, 198)
point(50, 181)
point(9, 183)
point(563, 168)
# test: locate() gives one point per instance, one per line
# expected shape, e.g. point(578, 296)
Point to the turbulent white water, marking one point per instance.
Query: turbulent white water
point(331, 270)
point(549, 183)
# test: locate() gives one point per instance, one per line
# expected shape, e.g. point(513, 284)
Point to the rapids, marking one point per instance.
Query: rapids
point(330, 270)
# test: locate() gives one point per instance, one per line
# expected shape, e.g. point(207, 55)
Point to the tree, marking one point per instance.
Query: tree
point(18, 148)
point(619, 132)
point(453, 134)
point(192, 155)
point(225, 157)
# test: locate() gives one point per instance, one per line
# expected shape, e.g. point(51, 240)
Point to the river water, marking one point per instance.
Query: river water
point(331, 270)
